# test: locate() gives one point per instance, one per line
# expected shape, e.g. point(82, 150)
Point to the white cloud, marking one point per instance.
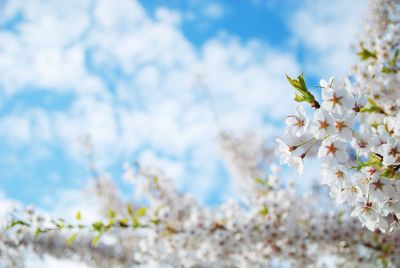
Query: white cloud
point(327, 29)
point(122, 15)
point(135, 80)
point(156, 101)
point(168, 16)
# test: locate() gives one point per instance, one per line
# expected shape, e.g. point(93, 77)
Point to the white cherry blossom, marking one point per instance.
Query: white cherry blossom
point(350, 193)
point(287, 156)
point(323, 124)
point(370, 218)
point(333, 150)
point(297, 123)
point(390, 151)
point(336, 100)
point(343, 125)
point(361, 142)
point(380, 189)
point(379, 137)
point(284, 152)
point(336, 176)
point(297, 163)
point(327, 85)
point(391, 207)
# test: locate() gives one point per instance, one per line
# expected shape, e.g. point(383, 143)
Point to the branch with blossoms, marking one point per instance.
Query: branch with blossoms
point(355, 127)
point(278, 227)
point(368, 181)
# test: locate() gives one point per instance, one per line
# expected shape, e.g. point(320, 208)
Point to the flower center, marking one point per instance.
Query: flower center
point(340, 125)
point(299, 122)
point(362, 144)
point(331, 149)
point(339, 174)
point(323, 124)
point(353, 189)
point(378, 185)
point(336, 99)
point(393, 151)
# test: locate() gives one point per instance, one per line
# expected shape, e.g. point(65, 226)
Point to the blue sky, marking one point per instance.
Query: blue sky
point(126, 73)
point(245, 19)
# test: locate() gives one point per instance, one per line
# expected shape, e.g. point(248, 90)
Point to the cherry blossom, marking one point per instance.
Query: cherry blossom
point(336, 176)
point(361, 142)
point(334, 150)
point(287, 156)
point(327, 85)
point(336, 100)
point(298, 122)
point(370, 218)
point(284, 152)
point(323, 124)
point(390, 151)
point(343, 125)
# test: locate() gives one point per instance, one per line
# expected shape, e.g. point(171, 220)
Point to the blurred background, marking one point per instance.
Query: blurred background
point(144, 81)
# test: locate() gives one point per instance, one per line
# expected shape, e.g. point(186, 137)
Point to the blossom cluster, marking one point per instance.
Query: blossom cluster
point(174, 230)
point(275, 226)
point(356, 127)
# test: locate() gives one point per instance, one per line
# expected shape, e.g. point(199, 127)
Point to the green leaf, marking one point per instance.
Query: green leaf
point(38, 231)
point(375, 125)
point(78, 216)
point(302, 94)
point(384, 261)
point(389, 172)
point(111, 214)
point(373, 161)
point(372, 102)
point(18, 222)
point(123, 222)
point(302, 82)
point(298, 98)
point(95, 239)
point(136, 223)
point(130, 210)
point(260, 181)
point(392, 62)
point(366, 54)
point(295, 83)
point(373, 107)
point(71, 239)
point(264, 211)
point(387, 70)
point(110, 224)
point(98, 226)
point(141, 212)
point(155, 221)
